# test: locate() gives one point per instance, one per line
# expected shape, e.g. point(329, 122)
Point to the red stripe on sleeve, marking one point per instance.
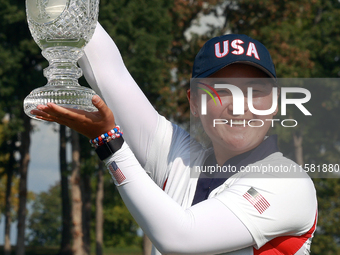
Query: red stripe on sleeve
point(285, 244)
point(165, 183)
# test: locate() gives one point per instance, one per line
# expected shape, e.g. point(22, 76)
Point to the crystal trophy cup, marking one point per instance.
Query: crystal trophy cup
point(61, 28)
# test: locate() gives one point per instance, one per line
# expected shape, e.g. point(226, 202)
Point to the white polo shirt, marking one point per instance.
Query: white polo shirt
point(278, 208)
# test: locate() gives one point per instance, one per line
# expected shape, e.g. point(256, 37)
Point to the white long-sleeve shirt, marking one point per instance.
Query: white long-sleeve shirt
point(247, 214)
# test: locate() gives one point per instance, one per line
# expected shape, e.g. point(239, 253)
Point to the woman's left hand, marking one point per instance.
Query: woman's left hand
point(90, 124)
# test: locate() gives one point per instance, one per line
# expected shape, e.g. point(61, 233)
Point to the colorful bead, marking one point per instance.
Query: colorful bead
point(106, 137)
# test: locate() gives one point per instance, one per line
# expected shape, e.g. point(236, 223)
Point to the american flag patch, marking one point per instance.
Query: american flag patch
point(116, 172)
point(257, 200)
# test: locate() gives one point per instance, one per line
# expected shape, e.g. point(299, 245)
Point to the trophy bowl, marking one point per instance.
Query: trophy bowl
point(61, 28)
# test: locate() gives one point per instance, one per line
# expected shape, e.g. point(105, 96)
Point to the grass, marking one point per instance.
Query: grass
point(54, 251)
point(122, 251)
point(34, 250)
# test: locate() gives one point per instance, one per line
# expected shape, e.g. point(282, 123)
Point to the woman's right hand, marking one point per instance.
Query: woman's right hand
point(90, 124)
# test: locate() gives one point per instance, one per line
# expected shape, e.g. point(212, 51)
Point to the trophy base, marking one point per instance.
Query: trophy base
point(75, 97)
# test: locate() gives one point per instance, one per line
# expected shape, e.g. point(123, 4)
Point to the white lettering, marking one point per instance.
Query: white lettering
point(238, 97)
point(272, 120)
point(297, 101)
point(219, 121)
point(256, 120)
point(262, 112)
point(225, 49)
point(238, 48)
point(289, 120)
point(252, 50)
point(250, 122)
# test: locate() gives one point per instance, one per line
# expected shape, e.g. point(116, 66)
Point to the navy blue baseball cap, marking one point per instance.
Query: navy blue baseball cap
point(228, 49)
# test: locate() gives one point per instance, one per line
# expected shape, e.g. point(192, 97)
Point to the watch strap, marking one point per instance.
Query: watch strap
point(107, 149)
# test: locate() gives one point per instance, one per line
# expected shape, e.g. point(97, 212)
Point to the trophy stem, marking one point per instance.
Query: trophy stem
point(62, 69)
point(62, 87)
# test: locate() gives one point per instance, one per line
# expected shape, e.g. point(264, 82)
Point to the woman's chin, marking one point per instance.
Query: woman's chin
point(239, 144)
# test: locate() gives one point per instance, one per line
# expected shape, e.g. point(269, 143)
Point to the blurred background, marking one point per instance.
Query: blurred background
point(41, 177)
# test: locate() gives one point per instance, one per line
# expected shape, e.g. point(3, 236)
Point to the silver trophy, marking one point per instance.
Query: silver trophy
point(61, 28)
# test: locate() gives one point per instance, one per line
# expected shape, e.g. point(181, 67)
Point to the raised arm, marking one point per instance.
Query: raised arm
point(207, 228)
point(106, 73)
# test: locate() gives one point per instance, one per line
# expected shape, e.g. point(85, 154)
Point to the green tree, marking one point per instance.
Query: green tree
point(20, 61)
point(326, 240)
point(142, 32)
point(66, 241)
point(44, 222)
point(151, 38)
point(182, 53)
point(120, 229)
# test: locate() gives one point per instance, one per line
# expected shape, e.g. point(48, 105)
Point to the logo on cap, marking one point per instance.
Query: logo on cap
point(238, 49)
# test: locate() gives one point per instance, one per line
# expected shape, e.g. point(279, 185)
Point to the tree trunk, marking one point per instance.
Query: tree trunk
point(147, 245)
point(297, 138)
point(65, 246)
point(8, 219)
point(77, 247)
point(24, 161)
point(86, 211)
point(99, 211)
point(8, 204)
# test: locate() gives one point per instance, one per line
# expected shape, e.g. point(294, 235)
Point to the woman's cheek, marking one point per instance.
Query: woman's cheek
point(263, 103)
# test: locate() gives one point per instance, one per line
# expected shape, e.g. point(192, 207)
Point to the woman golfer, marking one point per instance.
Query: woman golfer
point(155, 167)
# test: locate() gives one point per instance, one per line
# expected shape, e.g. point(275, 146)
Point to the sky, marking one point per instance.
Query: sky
point(43, 170)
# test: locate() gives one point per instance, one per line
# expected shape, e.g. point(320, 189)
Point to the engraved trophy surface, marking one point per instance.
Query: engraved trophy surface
point(61, 28)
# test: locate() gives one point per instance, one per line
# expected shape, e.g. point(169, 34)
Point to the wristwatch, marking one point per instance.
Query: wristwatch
point(107, 149)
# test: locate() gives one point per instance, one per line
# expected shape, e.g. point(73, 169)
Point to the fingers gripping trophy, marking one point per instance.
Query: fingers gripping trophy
point(61, 28)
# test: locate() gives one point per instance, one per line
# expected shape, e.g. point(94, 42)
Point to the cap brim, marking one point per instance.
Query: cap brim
point(217, 68)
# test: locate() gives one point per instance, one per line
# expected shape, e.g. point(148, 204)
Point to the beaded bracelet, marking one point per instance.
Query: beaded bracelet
point(107, 137)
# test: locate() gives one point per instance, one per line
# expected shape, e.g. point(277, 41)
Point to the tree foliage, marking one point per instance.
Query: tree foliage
point(142, 32)
point(44, 222)
point(150, 37)
point(120, 229)
point(14, 194)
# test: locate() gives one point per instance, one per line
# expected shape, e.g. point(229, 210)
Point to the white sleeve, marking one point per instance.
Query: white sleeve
point(208, 227)
point(106, 73)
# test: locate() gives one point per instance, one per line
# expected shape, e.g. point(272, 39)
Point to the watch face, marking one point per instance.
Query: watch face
point(45, 11)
